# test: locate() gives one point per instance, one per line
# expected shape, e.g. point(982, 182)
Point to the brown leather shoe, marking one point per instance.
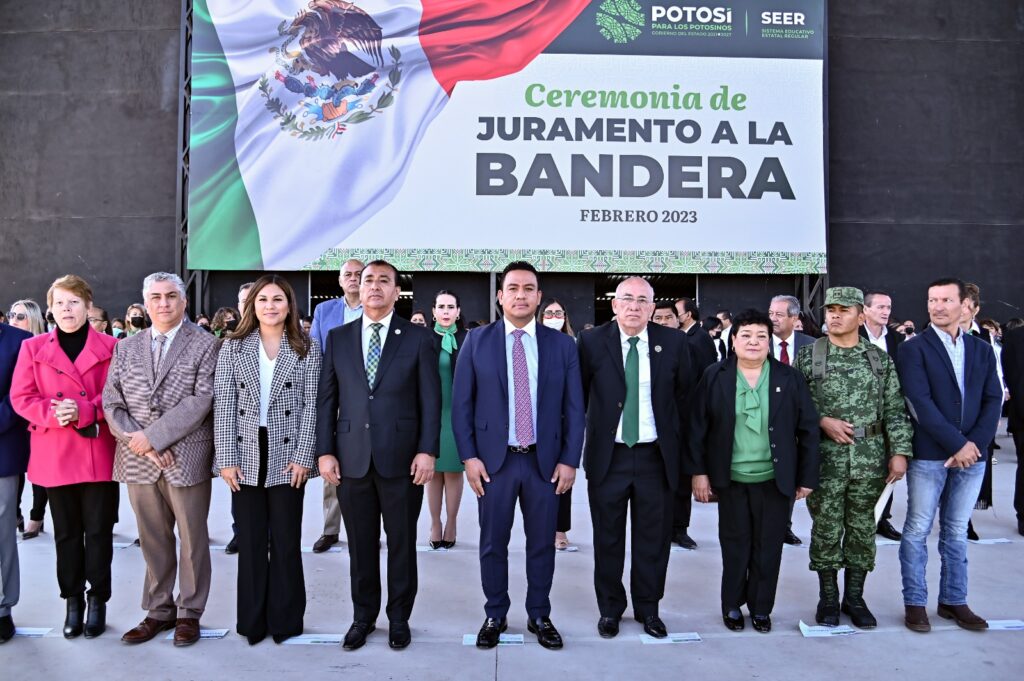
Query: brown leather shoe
point(964, 617)
point(147, 630)
point(916, 618)
point(186, 631)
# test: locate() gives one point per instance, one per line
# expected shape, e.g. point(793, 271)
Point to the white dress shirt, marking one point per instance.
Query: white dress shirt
point(367, 332)
point(266, 380)
point(648, 432)
point(777, 347)
point(878, 341)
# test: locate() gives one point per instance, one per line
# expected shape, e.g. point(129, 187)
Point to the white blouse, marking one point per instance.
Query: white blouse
point(266, 379)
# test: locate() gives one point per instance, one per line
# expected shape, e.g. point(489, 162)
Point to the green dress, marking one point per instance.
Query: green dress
point(449, 461)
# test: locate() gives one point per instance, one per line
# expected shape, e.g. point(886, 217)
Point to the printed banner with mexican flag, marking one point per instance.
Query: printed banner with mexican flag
point(305, 115)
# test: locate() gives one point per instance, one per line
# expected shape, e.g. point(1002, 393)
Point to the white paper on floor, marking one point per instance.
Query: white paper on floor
point(316, 640)
point(682, 637)
point(333, 549)
point(882, 541)
point(679, 549)
point(1006, 625)
point(1000, 540)
point(503, 640)
point(32, 632)
point(802, 545)
point(203, 633)
point(571, 548)
point(217, 547)
point(824, 632)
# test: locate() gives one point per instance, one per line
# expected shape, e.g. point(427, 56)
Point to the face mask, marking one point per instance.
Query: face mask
point(231, 325)
point(118, 333)
point(136, 321)
point(204, 326)
point(554, 323)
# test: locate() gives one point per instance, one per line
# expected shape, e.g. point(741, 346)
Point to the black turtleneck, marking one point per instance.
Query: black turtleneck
point(73, 343)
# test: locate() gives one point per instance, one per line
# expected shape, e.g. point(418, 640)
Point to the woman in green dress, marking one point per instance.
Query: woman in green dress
point(446, 484)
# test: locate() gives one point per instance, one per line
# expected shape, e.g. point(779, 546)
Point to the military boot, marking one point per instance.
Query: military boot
point(853, 599)
point(828, 598)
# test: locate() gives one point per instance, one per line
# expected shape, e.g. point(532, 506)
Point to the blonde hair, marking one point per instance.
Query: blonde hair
point(73, 284)
point(37, 324)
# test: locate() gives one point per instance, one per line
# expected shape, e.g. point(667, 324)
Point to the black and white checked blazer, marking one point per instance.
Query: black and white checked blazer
point(291, 419)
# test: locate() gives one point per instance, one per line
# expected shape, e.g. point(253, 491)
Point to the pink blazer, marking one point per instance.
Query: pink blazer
point(60, 456)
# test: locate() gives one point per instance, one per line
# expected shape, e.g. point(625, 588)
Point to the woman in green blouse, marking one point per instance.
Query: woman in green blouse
point(447, 483)
point(754, 440)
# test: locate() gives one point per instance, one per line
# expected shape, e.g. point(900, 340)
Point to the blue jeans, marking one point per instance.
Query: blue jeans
point(953, 492)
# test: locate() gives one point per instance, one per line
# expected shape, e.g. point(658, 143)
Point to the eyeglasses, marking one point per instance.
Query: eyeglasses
point(554, 314)
point(630, 300)
point(19, 316)
point(94, 320)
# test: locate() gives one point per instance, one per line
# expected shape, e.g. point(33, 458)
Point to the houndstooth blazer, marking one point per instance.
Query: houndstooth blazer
point(174, 410)
point(291, 419)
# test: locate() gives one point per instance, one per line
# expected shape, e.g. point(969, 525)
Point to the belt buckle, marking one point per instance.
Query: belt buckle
point(859, 432)
point(519, 449)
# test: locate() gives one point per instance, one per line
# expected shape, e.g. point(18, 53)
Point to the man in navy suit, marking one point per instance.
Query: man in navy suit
point(950, 382)
point(517, 414)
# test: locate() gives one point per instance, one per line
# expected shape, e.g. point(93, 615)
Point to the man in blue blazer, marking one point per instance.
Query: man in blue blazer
point(954, 398)
point(517, 415)
point(14, 448)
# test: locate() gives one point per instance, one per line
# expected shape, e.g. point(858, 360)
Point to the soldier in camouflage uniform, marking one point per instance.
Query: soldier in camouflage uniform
point(866, 442)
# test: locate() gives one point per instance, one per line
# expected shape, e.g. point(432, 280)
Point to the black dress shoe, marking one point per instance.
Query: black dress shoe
point(792, 539)
point(6, 628)
point(449, 544)
point(1020, 527)
point(653, 626)
point(325, 542)
point(357, 633)
point(971, 534)
point(683, 539)
point(439, 544)
point(546, 633)
point(281, 638)
point(733, 620)
point(762, 623)
point(490, 632)
point(608, 627)
point(232, 547)
point(399, 635)
point(255, 638)
point(96, 620)
point(885, 529)
point(75, 617)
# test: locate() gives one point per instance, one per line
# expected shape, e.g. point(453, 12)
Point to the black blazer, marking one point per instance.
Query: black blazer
point(604, 392)
point(460, 340)
point(702, 350)
point(792, 427)
point(1013, 375)
point(390, 423)
point(893, 339)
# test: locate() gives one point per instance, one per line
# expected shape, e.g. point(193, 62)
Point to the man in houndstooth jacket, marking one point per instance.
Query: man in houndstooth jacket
point(158, 402)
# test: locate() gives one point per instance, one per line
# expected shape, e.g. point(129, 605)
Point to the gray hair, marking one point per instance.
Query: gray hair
point(629, 279)
point(792, 304)
point(148, 282)
point(35, 315)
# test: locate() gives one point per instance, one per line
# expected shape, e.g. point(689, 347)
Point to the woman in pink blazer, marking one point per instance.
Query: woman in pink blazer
point(57, 387)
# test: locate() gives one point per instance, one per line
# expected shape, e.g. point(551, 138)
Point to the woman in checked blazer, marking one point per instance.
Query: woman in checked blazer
point(264, 432)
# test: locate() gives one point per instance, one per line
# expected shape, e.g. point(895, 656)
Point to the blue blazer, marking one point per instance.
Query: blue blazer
point(941, 424)
point(14, 440)
point(480, 399)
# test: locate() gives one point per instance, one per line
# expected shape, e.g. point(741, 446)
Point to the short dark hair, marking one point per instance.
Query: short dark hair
point(689, 306)
point(518, 265)
point(951, 281)
point(973, 291)
point(665, 305)
point(711, 323)
point(380, 263)
point(724, 314)
point(871, 293)
point(750, 317)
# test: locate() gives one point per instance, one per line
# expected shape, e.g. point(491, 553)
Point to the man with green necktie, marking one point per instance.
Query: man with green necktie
point(637, 380)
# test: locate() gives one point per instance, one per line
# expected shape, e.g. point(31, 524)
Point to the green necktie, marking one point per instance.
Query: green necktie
point(631, 414)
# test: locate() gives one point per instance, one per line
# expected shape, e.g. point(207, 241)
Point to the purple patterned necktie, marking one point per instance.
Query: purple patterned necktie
point(521, 381)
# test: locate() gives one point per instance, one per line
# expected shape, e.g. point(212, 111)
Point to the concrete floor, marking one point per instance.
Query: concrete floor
point(450, 604)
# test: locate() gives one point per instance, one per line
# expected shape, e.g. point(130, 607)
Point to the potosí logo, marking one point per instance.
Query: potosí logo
point(679, 14)
point(620, 21)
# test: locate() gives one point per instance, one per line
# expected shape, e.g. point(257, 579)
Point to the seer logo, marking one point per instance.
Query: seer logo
point(702, 15)
point(782, 18)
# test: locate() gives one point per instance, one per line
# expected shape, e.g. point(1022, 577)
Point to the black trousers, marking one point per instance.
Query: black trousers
point(83, 532)
point(683, 504)
point(751, 527)
point(271, 592)
point(1018, 491)
point(564, 512)
point(365, 502)
point(635, 483)
point(38, 511)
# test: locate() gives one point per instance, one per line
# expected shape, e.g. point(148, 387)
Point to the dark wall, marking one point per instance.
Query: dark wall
point(89, 112)
point(925, 174)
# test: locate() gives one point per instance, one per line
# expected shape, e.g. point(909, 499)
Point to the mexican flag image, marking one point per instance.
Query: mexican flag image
point(306, 115)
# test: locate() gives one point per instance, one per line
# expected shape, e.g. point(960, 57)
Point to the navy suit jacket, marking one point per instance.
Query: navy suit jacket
point(942, 425)
point(480, 399)
point(14, 439)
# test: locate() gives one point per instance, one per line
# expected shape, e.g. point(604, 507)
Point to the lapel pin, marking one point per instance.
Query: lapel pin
point(778, 389)
point(657, 348)
point(398, 332)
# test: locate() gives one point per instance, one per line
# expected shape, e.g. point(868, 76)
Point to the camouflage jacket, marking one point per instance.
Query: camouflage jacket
point(850, 392)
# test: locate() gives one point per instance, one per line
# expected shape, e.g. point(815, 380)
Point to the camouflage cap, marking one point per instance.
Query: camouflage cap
point(847, 296)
